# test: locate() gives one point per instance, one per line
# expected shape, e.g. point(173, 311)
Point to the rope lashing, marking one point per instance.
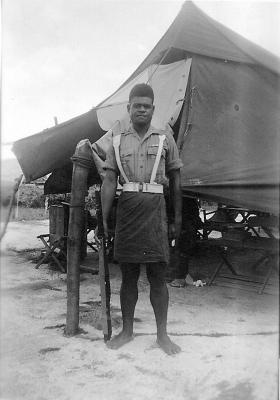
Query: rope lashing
point(82, 161)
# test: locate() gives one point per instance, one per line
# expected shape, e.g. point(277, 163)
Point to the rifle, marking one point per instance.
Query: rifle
point(104, 277)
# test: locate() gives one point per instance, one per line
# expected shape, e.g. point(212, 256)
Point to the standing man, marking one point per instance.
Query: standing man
point(142, 157)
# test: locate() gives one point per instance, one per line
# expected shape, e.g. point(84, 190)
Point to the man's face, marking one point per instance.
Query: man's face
point(141, 110)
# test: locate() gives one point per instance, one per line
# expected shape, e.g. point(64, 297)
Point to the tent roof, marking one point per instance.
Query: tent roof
point(195, 32)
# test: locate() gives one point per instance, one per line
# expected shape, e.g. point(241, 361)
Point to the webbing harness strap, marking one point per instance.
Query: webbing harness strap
point(116, 144)
point(157, 160)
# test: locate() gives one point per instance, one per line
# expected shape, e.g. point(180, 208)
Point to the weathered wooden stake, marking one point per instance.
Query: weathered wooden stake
point(82, 160)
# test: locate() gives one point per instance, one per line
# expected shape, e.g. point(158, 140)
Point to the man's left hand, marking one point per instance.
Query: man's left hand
point(171, 232)
point(174, 230)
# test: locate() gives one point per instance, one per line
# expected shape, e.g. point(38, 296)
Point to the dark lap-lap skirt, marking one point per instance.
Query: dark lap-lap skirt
point(141, 228)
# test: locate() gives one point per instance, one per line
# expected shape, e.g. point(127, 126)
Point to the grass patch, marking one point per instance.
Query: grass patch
point(32, 255)
point(25, 214)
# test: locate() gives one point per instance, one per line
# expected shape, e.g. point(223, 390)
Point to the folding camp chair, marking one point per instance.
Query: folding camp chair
point(268, 246)
point(53, 249)
point(55, 242)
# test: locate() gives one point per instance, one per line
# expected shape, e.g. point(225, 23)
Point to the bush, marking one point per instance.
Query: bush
point(90, 199)
point(31, 196)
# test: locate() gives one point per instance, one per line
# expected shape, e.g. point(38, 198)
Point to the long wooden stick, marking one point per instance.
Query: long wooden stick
point(104, 277)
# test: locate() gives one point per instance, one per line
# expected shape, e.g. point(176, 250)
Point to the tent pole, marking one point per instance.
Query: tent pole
point(184, 116)
point(82, 160)
point(159, 64)
point(11, 203)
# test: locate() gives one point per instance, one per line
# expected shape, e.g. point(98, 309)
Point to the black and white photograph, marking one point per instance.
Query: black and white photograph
point(140, 172)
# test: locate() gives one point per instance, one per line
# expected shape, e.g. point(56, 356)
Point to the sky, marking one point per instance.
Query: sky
point(60, 58)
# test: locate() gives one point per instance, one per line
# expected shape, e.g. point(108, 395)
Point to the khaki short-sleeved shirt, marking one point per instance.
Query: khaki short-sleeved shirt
point(138, 156)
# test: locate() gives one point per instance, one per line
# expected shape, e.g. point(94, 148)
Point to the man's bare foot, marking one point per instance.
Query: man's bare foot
point(119, 340)
point(168, 346)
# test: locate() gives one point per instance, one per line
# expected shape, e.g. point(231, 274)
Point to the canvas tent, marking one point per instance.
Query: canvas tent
point(221, 95)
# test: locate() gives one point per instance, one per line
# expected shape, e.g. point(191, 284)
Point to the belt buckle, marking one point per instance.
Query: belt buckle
point(135, 187)
point(144, 187)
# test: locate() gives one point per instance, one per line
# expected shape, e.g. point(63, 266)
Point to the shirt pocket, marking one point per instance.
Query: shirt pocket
point(127, 162)
point(126, 156)
point(153, 150)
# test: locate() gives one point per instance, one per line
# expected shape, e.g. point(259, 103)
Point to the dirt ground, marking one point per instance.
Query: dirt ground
point(228, 334)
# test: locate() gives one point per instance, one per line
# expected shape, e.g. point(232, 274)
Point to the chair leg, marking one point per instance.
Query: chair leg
point(58, 245)
point(57, 263)
point(215, 273)
point(272, 259)
point(228, 264)
point(217, 270)
point(50, 253)
point(42, 260)
point(266, 280)
point(259, 262)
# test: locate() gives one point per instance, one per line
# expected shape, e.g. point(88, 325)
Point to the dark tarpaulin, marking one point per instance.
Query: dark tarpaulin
point(52, 149)
point(231, 147)
point(60, 180)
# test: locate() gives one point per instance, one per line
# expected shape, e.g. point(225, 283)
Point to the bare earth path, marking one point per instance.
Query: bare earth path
point(229, 339)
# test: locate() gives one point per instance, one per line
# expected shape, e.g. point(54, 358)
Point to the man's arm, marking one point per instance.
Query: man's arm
point(176, 199)
point(108, 191)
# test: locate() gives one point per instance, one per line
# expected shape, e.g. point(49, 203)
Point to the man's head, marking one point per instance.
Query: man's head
point(140, 105)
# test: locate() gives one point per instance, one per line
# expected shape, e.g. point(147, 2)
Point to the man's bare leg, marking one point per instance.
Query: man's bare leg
point(128, 298)
point(159, 299)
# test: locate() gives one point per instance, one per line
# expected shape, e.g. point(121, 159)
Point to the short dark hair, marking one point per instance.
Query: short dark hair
point(141, 90)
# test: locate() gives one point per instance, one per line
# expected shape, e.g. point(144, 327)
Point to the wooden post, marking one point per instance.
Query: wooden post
point(84, 237)
point(59, 222)
point(52, 222)
point(82, 160)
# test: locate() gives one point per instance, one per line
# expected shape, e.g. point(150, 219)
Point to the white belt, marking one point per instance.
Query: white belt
point(142, 187)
